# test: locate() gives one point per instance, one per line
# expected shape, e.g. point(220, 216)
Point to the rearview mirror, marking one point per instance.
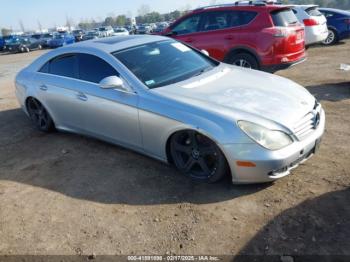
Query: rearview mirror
point(113, 82)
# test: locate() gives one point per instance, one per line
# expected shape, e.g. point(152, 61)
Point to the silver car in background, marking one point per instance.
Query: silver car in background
point(316, 30)
point(164, 99)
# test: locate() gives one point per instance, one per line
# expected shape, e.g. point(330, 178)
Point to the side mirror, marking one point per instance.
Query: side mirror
point(113, 82)
point(205, 52)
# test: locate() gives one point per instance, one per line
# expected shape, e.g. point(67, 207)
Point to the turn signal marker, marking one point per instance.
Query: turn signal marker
point(245, 164)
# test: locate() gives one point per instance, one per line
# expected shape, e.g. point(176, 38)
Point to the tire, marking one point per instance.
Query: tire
point(332, 38)
point(40, 47)
point(27, 49)
point(197, 156)
point(244, 60)
point(39, 116)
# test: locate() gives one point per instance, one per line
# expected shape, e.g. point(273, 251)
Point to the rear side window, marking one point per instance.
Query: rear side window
point(284, 17)
point(226, 19)
point(63, 66)
point(94, 69)
point(245, 17)
point(45, 68)
point(313, 11)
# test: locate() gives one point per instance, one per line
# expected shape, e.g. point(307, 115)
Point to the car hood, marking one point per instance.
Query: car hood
point(244, 93)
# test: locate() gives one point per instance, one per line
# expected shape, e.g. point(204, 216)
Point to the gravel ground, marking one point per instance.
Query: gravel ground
point(67, 194)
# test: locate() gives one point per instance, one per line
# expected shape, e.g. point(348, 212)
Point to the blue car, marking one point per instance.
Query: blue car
point(338, 22)
point(2, 43)
point(61, 39)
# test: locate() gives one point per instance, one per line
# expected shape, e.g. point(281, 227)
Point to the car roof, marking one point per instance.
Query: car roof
point(305, 6)
point(343, 12)
point(116, 43)
point(258, 7)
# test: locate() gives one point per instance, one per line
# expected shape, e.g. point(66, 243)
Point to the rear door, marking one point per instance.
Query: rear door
point(217, 32)
point(59, 89)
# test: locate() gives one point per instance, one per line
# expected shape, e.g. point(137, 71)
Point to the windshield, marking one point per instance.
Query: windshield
point(166, 62)
point(313, 11)
point(59, 36)
point(14, 41)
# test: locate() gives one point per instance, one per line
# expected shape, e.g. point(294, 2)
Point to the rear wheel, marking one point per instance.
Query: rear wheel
point(244, 60)
point(39, 115)
point(197, 156)
point(332, 38)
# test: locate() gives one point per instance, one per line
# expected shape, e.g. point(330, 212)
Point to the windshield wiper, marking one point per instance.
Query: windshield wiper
point(202, 71)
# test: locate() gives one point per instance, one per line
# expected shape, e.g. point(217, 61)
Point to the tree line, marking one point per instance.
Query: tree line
point(122, 20)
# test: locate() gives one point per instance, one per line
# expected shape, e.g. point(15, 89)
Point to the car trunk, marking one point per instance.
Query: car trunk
point(290, 29)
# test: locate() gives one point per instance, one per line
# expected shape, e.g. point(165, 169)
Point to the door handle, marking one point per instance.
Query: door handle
point(189, 40)
point(43, 87)
point(82, 97)
point(229, 37)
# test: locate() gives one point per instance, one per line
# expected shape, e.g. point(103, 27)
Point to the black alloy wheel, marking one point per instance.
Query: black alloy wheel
point(197, 156)
point(39, 116)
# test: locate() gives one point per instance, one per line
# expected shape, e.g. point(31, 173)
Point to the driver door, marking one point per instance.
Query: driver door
point(110, 114)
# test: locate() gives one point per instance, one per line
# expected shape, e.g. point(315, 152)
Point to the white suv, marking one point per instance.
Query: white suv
point(314, 21)
point(106, 31)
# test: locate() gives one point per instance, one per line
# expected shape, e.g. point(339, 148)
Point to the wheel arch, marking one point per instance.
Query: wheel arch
point(46, 108)
point(200, 131)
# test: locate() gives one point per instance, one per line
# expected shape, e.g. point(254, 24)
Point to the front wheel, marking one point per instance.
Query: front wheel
point(39, 115)
point(197, 156)
point(331, 38)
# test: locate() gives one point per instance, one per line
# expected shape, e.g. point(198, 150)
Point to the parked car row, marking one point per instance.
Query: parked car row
point(256, 35)
point(259, 35)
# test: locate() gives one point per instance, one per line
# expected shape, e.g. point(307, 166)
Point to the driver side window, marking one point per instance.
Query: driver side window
point(94, 69)
point(187, 26)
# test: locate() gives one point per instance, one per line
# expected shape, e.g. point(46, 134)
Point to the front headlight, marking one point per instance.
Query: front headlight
point(270, 139)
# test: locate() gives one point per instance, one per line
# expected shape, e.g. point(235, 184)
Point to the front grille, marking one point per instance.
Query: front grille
point(304, 127)
point(308, 123)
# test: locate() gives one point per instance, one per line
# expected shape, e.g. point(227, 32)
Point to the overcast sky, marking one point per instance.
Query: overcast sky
point(52, 13)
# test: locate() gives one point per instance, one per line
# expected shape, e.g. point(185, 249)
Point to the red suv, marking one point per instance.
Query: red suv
point(255, 35)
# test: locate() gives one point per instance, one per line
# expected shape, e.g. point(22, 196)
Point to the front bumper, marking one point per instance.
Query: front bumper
point(270, 165)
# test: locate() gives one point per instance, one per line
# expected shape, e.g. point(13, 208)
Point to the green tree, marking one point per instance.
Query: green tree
point(120, 20)
point(109, 21)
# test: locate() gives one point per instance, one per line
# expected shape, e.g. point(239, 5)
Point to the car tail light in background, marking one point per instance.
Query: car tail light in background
point(347, 21)
point(310, 22)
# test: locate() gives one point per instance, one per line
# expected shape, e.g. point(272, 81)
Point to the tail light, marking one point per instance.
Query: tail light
point(278, 32)
point(347, 21)
point(310, 22)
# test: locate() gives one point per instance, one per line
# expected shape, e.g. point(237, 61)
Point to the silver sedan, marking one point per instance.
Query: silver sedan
point(164, 99)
